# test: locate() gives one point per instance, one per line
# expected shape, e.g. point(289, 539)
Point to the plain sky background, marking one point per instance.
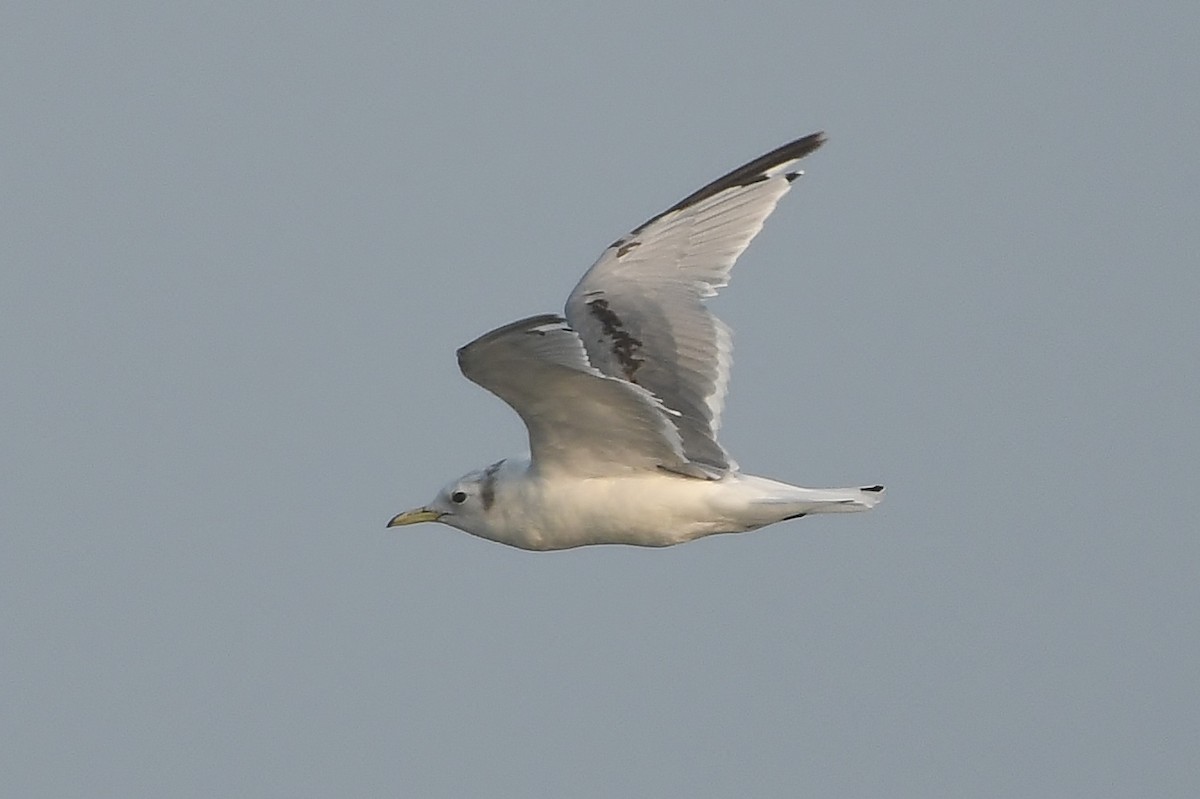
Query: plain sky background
point(241, 242)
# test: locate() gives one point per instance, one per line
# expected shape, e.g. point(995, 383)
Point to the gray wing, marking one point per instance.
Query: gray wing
point(639, 310)
point(579, 420)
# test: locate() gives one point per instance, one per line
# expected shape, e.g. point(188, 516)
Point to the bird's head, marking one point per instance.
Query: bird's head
point(462, 503)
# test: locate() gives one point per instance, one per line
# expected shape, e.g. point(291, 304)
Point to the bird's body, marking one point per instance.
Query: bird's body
point(622, 395)
point(644, 508)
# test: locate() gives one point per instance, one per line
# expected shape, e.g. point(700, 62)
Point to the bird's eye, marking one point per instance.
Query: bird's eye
point(458, 497)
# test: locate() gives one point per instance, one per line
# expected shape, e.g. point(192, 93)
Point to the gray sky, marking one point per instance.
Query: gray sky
point(242, 241)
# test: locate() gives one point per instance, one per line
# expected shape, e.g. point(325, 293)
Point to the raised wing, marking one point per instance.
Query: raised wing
point(579, 420)
point(639, 309)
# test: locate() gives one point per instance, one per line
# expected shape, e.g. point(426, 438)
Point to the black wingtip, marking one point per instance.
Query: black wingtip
point(798, 148)
point(748, 173)
point(872, 489)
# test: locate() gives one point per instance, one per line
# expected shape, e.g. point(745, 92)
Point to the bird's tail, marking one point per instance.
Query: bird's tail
point(778, 501)
point(835, 500)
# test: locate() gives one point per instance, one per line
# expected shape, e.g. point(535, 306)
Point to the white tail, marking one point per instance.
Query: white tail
point(774, 501)
point(834, 500)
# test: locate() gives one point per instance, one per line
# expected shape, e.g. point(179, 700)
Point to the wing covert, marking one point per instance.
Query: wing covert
point(579, 420)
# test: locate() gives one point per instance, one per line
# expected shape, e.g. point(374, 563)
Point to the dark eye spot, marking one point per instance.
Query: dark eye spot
point(458, 497)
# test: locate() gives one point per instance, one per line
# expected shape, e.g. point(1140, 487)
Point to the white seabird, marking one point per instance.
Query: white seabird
point(622, 398)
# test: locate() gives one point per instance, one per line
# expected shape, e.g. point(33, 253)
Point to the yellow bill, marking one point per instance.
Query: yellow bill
point(414, 516)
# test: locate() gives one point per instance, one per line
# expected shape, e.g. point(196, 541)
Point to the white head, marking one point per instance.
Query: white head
point(463, 503)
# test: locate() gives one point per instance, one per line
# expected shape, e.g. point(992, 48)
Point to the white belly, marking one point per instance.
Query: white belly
point(645, 509)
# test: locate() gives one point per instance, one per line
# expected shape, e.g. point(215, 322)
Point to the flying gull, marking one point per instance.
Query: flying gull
point(622, 394)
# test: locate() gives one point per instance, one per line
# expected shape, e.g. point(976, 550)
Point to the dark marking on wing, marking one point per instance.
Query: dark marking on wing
point(487, 491)
point(872, 489)
point(626, 246)
point(696, 470)
point(747, 174)
point(624, 346)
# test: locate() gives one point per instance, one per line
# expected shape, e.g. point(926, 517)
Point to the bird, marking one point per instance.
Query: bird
point(622, 394)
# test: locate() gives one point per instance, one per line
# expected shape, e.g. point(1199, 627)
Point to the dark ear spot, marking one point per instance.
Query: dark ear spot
point(488, 494)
